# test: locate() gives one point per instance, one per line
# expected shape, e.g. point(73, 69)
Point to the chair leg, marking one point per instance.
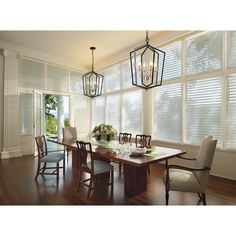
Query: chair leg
point(37, 174)
point(112, 181)
point(90, 186)
point(78, 181)
point(148, 169)
point(57, 172)
point(204, 199)
point(120, 166)
point(167, 197)
point(64, 166)
point(44, 167)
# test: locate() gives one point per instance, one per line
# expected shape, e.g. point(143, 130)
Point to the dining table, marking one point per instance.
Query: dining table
point(134, 164)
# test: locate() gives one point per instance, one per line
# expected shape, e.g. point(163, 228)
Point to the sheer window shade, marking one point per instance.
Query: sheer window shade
point(173, 61)
point(231, 112)
point(76, 84)
point(112, 78)
point(168, 113)
point(204, 110)
point(32, 74)
point(57, 79)
point(126, 75)
point(231, 50)
point(98, 111)
point(204, 53)
point(132, 112)
point(113, 111)
point(26, 114)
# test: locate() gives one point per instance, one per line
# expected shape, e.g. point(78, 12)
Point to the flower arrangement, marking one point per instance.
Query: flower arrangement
point(104, 132)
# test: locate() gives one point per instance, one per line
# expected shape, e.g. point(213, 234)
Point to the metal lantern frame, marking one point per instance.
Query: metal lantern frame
point(92, 81)
point(157, 63)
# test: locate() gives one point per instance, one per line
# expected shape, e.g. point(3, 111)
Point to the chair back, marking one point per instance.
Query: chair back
point(205, 159)
point(143, 141)
point(69, 133)
point(85, 148)
point(41, 146)
point(125, 138)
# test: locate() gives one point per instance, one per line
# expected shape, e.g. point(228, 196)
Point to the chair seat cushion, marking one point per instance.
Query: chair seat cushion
point(53, 157)
point(100, 167)
point(182, 180)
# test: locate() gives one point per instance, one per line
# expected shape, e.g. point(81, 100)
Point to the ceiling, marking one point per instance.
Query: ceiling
point(74, 45)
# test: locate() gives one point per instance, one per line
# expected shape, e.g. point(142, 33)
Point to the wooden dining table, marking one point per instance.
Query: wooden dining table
point(134, 166)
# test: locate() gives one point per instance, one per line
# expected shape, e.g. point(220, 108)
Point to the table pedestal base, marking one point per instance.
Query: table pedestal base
point(135, 179)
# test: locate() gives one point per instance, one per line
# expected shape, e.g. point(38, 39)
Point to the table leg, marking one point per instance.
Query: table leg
point(75, 159)
point(135, 179)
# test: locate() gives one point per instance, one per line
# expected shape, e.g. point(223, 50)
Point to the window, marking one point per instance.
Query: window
point(168, 113)
point(26, 114)
point(132, 112)
point(204, 53)
point(32, 74)
point(173, 61)
point(204, 109)
point(98, 111)
point(57, 79)
point(76, 84)
point(112, 78)
point(231, 112)
point(126, 75)
point(231, 50)
point(113, 111)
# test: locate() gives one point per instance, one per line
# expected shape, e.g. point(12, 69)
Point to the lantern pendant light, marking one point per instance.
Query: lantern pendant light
point(147, 65)
point(92, 81)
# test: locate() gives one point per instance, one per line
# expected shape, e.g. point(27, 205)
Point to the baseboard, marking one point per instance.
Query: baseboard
point(11, 153)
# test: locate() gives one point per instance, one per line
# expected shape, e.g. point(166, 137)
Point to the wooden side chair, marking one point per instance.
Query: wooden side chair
point(45, 157)
point(143, 141)
point(69, 133)
point(186, 179)
point(94, 167)
point(123, 138)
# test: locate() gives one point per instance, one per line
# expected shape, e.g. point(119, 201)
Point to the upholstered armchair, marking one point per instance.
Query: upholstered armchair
point(186, 179)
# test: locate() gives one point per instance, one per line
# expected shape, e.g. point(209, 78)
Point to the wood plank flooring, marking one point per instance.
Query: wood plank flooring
point(18, 187)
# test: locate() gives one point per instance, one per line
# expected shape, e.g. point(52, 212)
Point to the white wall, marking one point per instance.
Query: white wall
point(1, 101)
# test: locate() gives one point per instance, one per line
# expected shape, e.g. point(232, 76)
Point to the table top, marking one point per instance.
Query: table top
point(110, 152)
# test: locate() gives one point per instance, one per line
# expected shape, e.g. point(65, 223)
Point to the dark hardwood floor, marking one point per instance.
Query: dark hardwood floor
point(18, 187)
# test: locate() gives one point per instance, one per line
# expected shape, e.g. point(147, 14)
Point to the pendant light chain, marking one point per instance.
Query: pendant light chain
point(92, 60)
point(147, 39)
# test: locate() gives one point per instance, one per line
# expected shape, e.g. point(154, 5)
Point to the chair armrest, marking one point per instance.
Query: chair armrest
point(187, 168)
point(186, 158)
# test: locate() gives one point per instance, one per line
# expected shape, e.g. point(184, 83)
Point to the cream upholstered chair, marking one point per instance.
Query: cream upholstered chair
point(186, 179)
point(69, 133)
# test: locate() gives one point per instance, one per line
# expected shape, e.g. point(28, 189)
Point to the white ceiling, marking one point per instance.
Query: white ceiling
point(74, 45)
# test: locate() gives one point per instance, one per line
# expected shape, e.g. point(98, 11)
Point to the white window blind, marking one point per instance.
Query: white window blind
point(112, 78)
point(76, 84)
point(231, 113)
point(168, 113)
point(32, 74)
point(57, 79)
point(26, 114)
point(204, 53)
point(126, 74)
point(132, 112)
point(98, 111)
point(113, 111)
point(231, 50)
point(173, 61)
point(204, 110)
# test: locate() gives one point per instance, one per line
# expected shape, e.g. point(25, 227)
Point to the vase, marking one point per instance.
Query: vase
point(102, 141)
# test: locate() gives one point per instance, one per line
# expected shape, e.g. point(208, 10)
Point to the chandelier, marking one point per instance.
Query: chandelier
point(147, 65)
point(92, 81)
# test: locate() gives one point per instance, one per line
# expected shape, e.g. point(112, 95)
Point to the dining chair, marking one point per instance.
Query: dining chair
point(69, 133)
point(192, 179)
point(93, 167)
point(123, 138)
point(143, 141)
point(48, 157)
